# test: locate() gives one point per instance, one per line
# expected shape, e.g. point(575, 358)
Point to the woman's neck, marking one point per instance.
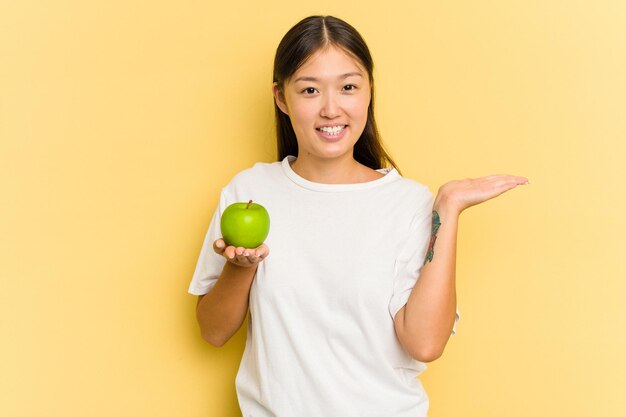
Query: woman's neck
point(344, 170)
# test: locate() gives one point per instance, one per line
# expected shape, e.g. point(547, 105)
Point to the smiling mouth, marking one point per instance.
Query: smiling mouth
point(331, 130)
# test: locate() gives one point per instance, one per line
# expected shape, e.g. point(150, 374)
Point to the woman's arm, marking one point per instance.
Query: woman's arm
point(222, 311)
point(424, 324)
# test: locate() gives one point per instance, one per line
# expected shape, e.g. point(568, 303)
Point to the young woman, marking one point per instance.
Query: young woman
point(359, 289)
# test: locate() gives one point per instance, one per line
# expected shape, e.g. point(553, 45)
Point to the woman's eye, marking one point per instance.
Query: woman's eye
point(349, 87)
point(309, 90)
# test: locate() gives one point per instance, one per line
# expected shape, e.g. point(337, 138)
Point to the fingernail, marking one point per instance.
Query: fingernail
point(220, 245)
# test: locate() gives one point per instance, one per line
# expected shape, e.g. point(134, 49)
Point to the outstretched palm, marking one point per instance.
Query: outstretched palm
point(461, 194)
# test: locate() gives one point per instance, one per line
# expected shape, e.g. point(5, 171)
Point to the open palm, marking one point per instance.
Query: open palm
point(461, 194)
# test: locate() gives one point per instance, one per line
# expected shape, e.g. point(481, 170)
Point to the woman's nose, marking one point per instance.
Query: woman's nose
point(330, 106)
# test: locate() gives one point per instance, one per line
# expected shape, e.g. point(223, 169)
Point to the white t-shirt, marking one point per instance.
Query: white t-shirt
point(343, 260)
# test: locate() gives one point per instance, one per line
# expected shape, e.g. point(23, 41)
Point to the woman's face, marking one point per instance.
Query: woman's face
point(327, 101)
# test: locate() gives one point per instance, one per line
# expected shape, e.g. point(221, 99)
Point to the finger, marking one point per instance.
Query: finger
point(229, 252)
point(242, 260)
point(249, 259)
point(262, 251)
point(503, 177)
point(492, 177)
point(515, 181)
point(218, 246)
point(503, 186)
point(247, 253)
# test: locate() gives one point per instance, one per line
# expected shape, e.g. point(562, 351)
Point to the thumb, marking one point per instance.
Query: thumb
point(219, 245)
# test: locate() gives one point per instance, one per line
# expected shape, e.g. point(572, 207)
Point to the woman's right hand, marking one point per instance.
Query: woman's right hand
point(241, 256)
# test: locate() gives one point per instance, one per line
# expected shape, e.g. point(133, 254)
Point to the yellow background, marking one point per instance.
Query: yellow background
point(120, 121)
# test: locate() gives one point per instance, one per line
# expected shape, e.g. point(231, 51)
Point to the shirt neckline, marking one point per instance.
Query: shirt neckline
point(391, 174)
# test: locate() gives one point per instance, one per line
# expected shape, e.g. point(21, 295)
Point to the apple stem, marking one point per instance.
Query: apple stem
point(249, 202)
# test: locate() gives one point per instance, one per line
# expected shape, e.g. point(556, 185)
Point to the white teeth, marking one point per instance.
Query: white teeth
point(334, 130)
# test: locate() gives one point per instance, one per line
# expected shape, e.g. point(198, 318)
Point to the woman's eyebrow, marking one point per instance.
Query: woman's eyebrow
point(342, 76)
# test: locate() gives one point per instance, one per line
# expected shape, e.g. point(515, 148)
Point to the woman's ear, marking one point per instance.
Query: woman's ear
point(279, 98)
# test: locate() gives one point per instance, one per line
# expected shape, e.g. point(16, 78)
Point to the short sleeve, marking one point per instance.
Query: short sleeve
point(412, 256)
point(209, 265)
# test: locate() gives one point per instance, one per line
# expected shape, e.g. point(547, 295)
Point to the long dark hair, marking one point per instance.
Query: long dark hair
point(299, 43)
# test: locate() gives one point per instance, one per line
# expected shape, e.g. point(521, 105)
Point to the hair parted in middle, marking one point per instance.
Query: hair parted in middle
point(303, 40)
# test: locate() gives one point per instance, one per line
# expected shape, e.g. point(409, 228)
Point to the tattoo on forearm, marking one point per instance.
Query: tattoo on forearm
point(433, 238)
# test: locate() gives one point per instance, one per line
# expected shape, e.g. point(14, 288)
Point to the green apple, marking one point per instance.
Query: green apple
point(245, 225)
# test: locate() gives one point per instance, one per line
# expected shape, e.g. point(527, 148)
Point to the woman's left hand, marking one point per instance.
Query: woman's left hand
point(458, 195)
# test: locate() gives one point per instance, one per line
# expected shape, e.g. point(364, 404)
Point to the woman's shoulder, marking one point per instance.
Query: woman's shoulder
point(413, 192)
point(259, 172)
point(410, 184)
point(257, 182)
